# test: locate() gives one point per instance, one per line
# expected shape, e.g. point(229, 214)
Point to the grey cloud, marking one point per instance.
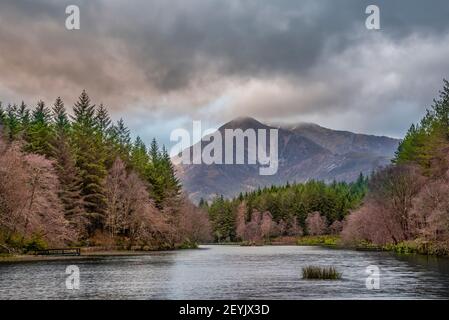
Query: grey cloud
point(173, 58)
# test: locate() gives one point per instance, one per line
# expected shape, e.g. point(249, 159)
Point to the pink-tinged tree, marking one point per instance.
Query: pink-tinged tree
point(316, 224)
point(194, 222)
point(29, 203)
point(392, 191)
point(267, 225)
point(430, 212)
point(387, 215)
point(13, 188)
point(336, 227)
point(281, 228)
point(45, 209)
point(253, 232)
point(294, 228)
point(130, 213)
point(117, 198)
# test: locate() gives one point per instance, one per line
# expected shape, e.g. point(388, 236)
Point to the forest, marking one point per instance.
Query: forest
point(407, 204)
point(77, 179)
point(312, 208)
point(402, 207)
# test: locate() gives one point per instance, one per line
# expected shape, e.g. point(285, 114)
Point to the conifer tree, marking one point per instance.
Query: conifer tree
point(40, 132)
point(424, 142)
point(139, 157)
point(60, 117)
point(68, 173)
point(153, 174)
point(171, 182)
point(90, 160)
point(102, 119)
point(12, 122)
point(23, 115)
point(123, 140)
point(2, 115)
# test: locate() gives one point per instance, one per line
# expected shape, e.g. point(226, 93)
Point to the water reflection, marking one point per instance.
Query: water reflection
point(229, 272)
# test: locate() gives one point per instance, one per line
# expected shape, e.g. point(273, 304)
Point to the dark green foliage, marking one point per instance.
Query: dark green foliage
point(83, 148)
point(139, 157)
point(121, 140)
point(11, 122)
point(424, 142)
point(90, 157)
point(334, 201)
point(160, 173)
point(2, 115)
point(68, 172)
point(40, 132)
point(222, 214)
point(23, 114)
point(60, 119)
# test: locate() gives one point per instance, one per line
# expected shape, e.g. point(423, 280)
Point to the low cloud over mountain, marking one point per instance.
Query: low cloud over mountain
point(306, 151)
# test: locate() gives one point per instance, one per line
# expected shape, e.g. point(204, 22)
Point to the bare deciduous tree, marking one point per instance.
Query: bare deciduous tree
point(29, 203)
point(316, 224)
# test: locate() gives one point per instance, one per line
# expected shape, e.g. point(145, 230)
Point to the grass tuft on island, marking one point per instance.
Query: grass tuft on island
point(320, 273)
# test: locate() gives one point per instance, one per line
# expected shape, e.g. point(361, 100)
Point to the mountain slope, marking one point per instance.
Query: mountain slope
point(306, 151)
point(342, 142)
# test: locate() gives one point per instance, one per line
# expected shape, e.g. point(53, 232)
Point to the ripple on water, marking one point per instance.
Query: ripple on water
point(229, 272)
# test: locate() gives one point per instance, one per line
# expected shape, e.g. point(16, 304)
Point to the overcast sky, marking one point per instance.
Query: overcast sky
point(161, 63)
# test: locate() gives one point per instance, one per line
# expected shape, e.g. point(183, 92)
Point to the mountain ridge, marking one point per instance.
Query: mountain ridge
point(306, 151)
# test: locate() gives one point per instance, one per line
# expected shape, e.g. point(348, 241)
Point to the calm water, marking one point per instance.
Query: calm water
point(229, 272)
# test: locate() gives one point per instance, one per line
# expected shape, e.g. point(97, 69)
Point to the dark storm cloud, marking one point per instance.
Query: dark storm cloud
point(255, 38)
point(288, 59)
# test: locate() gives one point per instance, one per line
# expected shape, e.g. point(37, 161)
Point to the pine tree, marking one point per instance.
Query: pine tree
point(139, 157)
point(3, 118)
point(102, 119)
point(123, 140)
point(90, 160)
point(40, 132)
point(23, 115)
point(161, 175)
point(153, 174)
point(60, 118)
point(68, 173)
point(12, 122)
point(171, 182)
point(424, 142)
point(154, 152)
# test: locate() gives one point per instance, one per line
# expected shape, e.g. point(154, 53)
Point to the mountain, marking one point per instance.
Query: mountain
point(342, 142)
point(306, 151)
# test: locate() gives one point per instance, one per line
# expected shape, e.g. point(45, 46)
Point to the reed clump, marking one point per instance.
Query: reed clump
point(320, 273)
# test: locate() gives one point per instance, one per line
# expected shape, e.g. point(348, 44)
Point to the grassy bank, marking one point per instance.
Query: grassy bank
point(325, 240)
point(406, 247)
point(418, 247)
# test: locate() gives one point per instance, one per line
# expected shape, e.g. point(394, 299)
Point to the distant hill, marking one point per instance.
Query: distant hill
point(306, 151)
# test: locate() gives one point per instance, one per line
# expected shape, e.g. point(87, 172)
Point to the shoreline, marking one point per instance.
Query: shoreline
point(84, 255)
